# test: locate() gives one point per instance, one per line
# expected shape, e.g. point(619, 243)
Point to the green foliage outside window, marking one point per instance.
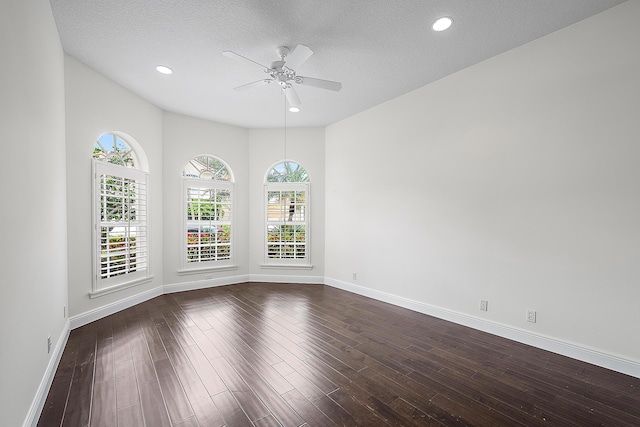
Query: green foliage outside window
point(208, 243)
point(118, 256)
point(288, 172)
point(207, 239)
point(118, 198)
point(286, 241)
point(206, 210)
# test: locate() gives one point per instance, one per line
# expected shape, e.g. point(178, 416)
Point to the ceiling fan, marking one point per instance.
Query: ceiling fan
point(283, 72)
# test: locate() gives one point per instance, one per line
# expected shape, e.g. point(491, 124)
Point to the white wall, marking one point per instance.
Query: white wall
point(515, 180)
point(95, 105)
point(266, 148)
point(33, 289)
point(184, 138)
point(249, 153)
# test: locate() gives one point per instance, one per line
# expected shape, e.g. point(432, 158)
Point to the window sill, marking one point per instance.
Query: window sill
point(186, 272)
point(119, 287)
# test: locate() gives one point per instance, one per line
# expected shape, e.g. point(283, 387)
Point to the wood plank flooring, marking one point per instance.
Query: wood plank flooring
point(263, 354)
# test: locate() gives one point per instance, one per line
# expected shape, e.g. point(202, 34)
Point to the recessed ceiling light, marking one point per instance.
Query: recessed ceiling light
point(442, 24)
point(294, 109)
point(164, 69)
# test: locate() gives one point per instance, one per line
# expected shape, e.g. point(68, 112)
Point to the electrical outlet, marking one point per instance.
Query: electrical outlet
point(49, 344)
point(354, 276)
point(484, 305)
point(531, 316)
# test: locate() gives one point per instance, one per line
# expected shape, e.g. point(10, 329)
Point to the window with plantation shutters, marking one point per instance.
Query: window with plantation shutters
point(121, 232)
point(287, 216)
point(207, 238)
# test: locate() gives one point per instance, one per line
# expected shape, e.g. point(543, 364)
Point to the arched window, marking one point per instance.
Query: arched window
point(287, 215)
point(112, 149)
point(121, 229)
point(207, 216)
point(287, 172)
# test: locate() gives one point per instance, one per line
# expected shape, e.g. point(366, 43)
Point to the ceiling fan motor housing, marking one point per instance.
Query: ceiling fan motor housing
point(282, 52)
point(276, 65)
point(279, 72)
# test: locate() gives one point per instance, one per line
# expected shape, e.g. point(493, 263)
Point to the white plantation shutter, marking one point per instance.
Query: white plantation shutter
point(287, 224)
point(121, 232)
point(208, 224)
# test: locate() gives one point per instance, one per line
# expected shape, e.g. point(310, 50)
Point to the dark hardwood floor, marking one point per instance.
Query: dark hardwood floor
point(260, 354)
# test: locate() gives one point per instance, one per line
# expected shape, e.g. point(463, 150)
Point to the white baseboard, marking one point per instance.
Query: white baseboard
point(234, 280)
point(109, 309)
point(270, 278)
point(593, 356)
point(575, 351)
point(96, 314)
point(100, 312)
point(203, 284)
point(33, 416)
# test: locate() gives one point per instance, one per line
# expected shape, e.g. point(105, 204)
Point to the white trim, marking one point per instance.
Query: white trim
point(309, 280)
point(207, 269)
point(140, 157)
point(114, 283)
point(114, 307)
point(120, 286)
point(187, 183)
point(585, 354)
point(40, 398)
point(575, 351)
point(109, 309)
point(287, 186)
point(203, 284)
point(288, 266)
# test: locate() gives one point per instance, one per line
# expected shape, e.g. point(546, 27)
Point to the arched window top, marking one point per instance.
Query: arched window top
point(111, 148)
point(121, 253)
point(207, 167)
point(287, 171)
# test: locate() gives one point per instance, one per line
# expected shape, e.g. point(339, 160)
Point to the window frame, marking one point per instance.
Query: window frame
point(200, 266)
point(102, 286)
point(287, 262)
point(190, 181)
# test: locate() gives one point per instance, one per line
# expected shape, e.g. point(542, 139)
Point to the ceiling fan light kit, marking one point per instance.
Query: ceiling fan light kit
point(283, 72)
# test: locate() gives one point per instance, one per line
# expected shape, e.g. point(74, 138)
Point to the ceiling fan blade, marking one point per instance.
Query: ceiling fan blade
point(252, 85)
point(237, 56)
point(298, 56)
point(323, 84)
point(292, 97)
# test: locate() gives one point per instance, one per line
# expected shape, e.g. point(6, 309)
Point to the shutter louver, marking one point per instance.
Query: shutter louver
point(122, 233)
point(287, 222)
point(208, 221)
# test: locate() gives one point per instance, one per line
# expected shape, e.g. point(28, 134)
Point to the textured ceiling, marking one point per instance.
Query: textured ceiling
point(378, 49)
